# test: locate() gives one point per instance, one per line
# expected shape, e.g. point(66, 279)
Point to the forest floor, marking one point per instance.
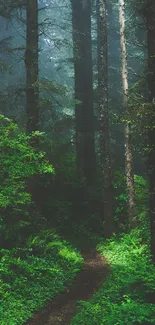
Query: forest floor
point(61, 310)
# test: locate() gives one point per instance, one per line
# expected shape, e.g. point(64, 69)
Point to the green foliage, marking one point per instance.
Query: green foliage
point(33, 274)
point(47, 85)
point(141, 192)
point(127, 295)
point(120, 197)
point(142, 195)
point(20, 162)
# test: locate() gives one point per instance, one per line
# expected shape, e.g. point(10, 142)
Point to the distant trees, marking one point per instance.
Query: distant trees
point(84, 117)
point(127, 129)
point(105, 155)
point(31, 64)
point(7, 7)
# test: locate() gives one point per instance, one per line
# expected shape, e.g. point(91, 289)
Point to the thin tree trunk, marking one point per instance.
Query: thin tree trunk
point(85, 143)
point(127, 131)
point(107, 206)
point(150, 15)
point(31, 63)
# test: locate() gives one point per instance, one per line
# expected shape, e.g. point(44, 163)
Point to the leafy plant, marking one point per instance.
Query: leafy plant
point(126, 297)
point(141, 192)
point(20, 162)
point(34, 274)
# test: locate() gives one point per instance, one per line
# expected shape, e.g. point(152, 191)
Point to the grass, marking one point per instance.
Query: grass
point(33, 275)
point(127, 295)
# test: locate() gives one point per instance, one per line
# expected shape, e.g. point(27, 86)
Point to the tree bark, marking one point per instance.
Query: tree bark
point(150, 15)
point(84, 117)
point(127, 130)
point(32, 89)
point(31, 64)
point(105, 156)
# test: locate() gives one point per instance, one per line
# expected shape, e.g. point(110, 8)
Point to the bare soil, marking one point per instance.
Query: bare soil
point(61, 309)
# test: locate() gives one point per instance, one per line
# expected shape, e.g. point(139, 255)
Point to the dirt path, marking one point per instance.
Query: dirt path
point(61, 310)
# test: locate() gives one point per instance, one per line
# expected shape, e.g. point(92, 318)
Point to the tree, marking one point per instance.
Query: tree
point(150, 17)
point(32, 85)
point(31, 63)
point(85, 143)
point(105, 156)
point(127, 130)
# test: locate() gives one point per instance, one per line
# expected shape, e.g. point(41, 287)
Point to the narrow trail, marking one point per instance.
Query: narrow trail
point(62, 308)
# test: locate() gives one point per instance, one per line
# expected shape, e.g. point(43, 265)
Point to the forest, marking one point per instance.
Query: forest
point(77, 162)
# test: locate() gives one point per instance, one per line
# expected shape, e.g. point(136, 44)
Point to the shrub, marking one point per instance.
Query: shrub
point(20, 161)
point(127, 296)
point(32, 275)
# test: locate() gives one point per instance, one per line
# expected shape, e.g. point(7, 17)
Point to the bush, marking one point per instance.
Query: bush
point(32, 275)
point(20, 162)
point(127, 296)
point(121, 201)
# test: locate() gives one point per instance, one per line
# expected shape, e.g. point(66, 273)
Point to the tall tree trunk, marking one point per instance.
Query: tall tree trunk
point(32, 91)
point(107, 207)
point(31, 63)
point(85, 142)
point(150, 15)
point(128, 146)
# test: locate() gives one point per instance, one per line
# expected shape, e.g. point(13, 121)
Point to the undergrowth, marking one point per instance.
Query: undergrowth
point(34, 274)
point(127, 295)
